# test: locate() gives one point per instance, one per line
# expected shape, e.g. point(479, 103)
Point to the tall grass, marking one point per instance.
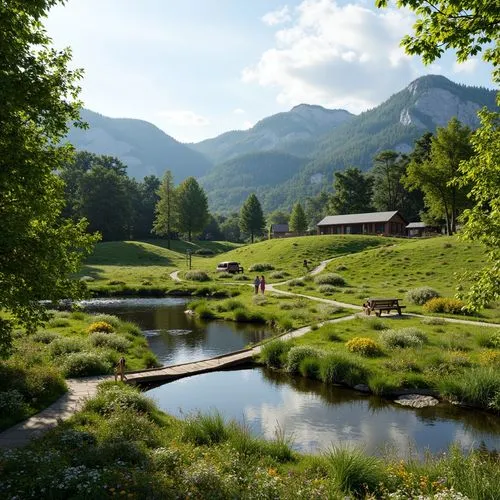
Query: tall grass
point(274, 353)
point(201, 429)
point(338, 368)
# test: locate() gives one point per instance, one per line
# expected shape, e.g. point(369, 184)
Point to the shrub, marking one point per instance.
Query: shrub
point(296, 282)
point(244, 316)
point(81, 364)
point(355, 472)
point(223, 275)
point(110, 340)
point(261, 267)
point(489, 340)
point(113, 397)
point(433, 321)
point(329, 279)
point(78, 315)
point(240, 277)
point(277, 275)
point(273, 353)
point(11, 403)
point(309, 367)
point(232, 304)
point(204, 312)
point(421, 295)
point(445, 305)
point(404, 337)
point(100, 326)
point(327, 289)
point(490, 358)
point(297, 354)
point(66, 345)
point(197, 276)
point(373, 323)
point(341, 268)
point(204, 251)
point(205, 429)
point(364, 346)
point(45, 337)
point(58, 322)
point(339, 368)
point(108, 318)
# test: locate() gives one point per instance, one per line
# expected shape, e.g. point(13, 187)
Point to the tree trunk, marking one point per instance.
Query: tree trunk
point(251, 235)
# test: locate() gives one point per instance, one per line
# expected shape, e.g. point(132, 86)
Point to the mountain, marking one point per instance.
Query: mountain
point(295, 132)
point(139, 144)
point(428, 102)
point(229, 184)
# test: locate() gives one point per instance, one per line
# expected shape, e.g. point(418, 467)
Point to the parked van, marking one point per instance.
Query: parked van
point(229, 267)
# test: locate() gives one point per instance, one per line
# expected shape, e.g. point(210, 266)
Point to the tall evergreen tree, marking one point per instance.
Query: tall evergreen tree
point(192, 207)
point(166, 209)
point(39, 250)
point(298, 219)
point(251, 217)
point(353, 192)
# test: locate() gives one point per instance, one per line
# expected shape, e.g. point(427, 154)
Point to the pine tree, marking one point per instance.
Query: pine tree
point(298, 219)
point(192, 207)
point(251, 217)
point(165, 218)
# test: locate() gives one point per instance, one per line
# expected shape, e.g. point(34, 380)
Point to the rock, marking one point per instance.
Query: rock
point(87, 278)
point(416, 401)
point(189, 312)
point(361, 388)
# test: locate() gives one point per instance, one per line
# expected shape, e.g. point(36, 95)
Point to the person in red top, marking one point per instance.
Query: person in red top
point(262, 284)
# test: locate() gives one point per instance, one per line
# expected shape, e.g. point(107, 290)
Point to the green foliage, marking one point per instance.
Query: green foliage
point(111, 319)
point(109, 340)
point(66, 345)
point(403, 338)
point(421, 295)
point(45, 337)
point(274, 353)
point(83, 364)
point(192, 207)
point(38, 250)
point(354, 472)
point(298, 220)
point(489, 340)
point(445, 305)
point(251, 217)
point(197, 276)
point(259, 267)
point(329, 279)
point(338, 368)
point(165, 211)
point(296, 354)
point(353, 192)
point(202, 429)
point(310, 367)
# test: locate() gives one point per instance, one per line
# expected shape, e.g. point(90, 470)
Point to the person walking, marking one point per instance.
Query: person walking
point(256, 283)
point(262, 284)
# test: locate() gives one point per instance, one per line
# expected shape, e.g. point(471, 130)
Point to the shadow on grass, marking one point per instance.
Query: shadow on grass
point(125, 253)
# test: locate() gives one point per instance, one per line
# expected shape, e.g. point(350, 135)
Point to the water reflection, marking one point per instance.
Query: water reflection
point(318, 416)
point(176, 337)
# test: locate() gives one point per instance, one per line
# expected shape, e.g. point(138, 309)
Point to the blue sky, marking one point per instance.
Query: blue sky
point(198, 68)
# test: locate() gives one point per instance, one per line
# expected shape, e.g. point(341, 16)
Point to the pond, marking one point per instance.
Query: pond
point(316, 415)
point(176, 337)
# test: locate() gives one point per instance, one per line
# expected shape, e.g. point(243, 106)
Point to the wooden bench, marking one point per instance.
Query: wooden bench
point(382, 305)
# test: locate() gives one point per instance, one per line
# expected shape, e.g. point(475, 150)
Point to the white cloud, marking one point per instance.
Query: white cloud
point(337, 55)
point(184, 118)
point(239, 111)
point(468, 66)
point(275, 17)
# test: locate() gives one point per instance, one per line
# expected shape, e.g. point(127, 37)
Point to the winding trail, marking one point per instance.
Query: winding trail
point(79, 390)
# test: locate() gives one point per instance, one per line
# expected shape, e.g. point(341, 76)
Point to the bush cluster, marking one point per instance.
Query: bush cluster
point(197, 276)
point(83, 364)
point(273, 353)
point(297, 354)
point(364, 346)
point(421, 295)
point(445, 305)
point(100, 326)
point(329, 279)
point(204, 251)
point(110, 340)
point(263, 266)
point(404, 337)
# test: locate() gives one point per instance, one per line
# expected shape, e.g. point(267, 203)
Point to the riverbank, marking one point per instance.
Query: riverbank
point(397, 355)
point(121, 445)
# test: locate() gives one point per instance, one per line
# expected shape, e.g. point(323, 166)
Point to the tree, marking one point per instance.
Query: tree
point(230, 228)
point(298, 220)
point(39, 250)
point(468, 26)
point(192, 207)
point(145, 209)
point(434, 176)
point(482, 220)
point(465, 26)
point(251, 217)
point(277, 217)
point(353, 192)
point(316, 209)
point(165, 211)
